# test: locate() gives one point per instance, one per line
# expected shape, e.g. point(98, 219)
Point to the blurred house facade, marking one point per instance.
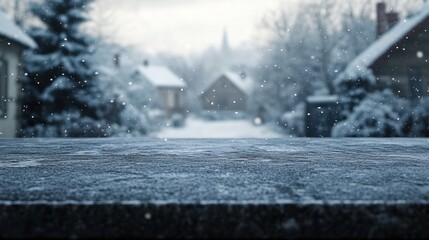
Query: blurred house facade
point(230, 92)
point(399, 57)
point(13, 42)
point(170, 90)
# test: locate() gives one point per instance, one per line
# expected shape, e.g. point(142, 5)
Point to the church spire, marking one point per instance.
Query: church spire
point(225, 42)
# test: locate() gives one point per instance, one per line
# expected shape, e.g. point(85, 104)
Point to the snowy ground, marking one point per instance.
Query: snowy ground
point(198, 128)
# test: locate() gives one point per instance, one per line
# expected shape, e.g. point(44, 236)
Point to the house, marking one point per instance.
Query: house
point(399, 57)
point(13, 42)
point(229, 92)
point(170, 90)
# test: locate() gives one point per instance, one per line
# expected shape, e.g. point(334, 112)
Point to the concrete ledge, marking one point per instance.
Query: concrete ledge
point(215, 221)
point(146, 188)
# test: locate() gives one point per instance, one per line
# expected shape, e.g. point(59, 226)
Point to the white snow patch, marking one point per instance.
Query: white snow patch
point(197, 128)
point(11, 31)
point(36, 189)
point(323, 99)
point(160, 76)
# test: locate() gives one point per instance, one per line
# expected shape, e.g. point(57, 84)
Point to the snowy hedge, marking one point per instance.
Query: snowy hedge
point(381, 114)
point(420, 120)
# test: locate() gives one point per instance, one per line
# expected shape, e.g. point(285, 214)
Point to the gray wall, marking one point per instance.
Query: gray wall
point(393, 71)
point(12, 54)
point(222, 95)
point(173, 100)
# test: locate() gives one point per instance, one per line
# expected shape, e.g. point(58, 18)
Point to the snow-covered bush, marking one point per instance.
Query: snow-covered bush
point(352, 86)
point(420, 120)
point(381, 114)
point(294, 121)
point(134, 118)
point(135, 122)
point(157, 118)
point(73, 124)
point(141, 114)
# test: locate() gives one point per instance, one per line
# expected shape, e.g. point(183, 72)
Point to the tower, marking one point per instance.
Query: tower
point(385, 20)
point(225, 43)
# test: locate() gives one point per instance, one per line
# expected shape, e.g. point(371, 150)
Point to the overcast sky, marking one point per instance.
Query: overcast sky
point(181, 26)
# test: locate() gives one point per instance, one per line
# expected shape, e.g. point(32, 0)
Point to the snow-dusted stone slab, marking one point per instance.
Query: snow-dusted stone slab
point(218, 188)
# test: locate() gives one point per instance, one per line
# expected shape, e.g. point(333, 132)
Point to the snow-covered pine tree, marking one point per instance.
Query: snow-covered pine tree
point(60, 94)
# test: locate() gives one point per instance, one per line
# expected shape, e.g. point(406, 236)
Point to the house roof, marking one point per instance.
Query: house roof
point(388, 40)
point(160, 76)
point(244, 84)
point(13, 32)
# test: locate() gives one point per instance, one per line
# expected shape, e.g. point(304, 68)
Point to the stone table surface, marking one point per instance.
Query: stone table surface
point(163, 171)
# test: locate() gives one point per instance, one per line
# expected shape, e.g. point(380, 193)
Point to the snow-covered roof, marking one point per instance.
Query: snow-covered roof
point(244, 84)
point(323, 99)
point(389, 39)
point(13, 32)
point(160, 76)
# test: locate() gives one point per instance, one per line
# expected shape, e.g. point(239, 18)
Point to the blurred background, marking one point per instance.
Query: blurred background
point(214, 68)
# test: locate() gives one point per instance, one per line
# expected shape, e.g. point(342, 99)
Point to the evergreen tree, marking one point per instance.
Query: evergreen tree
point(60, 94)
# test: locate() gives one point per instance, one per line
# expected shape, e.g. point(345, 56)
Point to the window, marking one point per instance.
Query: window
point(3, 88)
point(170, 99)
point(177, 102)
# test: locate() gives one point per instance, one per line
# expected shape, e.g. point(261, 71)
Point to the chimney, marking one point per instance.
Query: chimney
point(145, 62)
point(117, 60)
point(381, 18)
point(392, 19)
point(385, 20)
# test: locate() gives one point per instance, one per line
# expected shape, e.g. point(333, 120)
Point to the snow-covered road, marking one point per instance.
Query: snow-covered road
point(197, 128)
